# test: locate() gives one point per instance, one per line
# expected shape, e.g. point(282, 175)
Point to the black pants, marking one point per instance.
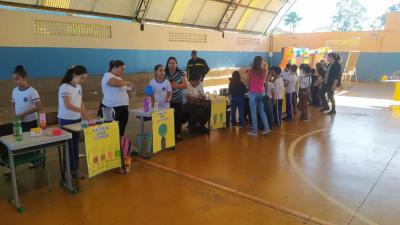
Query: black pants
point(327, 89)
point(198, 115)
point(27, 126)
point(178, 114)
point(278, 112)
point(121, 115)
point(315, 98)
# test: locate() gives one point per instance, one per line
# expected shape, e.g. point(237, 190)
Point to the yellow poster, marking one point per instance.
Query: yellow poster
point(163, 129)
point(102, 148)
point(218, 112)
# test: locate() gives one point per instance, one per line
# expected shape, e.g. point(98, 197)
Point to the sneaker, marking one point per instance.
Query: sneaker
point(324, 109)
point(7, 172)
point(178, 137)
point(252, 132)
point(76, 174)
point(332, 112)
point(266, 132)
point(33, 164)
point(303, 119)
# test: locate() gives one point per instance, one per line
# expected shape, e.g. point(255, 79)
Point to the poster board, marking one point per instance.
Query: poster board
point(102, 148)
point(218, 112)
point(163, 127)
point(303, 55)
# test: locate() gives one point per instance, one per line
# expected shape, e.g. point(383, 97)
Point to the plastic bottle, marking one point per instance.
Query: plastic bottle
point(17, 129)
point(146, 105)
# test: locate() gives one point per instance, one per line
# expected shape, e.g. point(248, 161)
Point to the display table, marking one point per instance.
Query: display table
point(32, 144)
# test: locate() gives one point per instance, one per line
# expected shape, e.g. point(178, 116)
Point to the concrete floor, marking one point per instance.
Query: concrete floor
point(346, 172)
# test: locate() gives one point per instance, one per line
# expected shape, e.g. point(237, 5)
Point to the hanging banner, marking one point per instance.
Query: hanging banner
point(218, 112)
point(102, 148)
point(163, 129)
point(303, 55)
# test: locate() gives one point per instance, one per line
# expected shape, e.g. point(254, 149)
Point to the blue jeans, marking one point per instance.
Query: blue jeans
point(269, 110)
point(237, 104)
point(256, 102)
point(73, 145)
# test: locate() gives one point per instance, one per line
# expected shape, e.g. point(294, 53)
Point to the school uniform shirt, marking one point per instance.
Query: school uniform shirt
point(270, 89)
point(160, 91)
point(75, 94)
point(177, 77)
point(25, 100)
point(305, 81)
point(279, 87)
point(193, 91)
point(113, 96)
point(285, 75)
point(292, 80)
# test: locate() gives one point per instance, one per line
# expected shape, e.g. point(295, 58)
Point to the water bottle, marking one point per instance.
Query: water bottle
point(17, 129)
point(146, 105)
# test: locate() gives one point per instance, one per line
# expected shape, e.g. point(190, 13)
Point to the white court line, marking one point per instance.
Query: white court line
point(323, 193)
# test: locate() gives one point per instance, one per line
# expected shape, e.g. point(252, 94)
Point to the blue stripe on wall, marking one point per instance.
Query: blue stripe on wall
point(370, 66)
point(45, 62)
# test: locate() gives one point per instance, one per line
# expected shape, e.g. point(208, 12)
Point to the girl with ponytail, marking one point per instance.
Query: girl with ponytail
point(71, 109)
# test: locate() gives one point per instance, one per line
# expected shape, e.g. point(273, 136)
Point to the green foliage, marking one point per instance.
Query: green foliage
point(292, 19)
point(349, 16)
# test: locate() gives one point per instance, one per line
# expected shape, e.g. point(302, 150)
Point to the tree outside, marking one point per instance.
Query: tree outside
point(291, 20)
point(349, 16)
point(379, 22)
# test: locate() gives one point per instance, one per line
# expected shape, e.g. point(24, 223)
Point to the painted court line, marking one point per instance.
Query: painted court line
point(258, 200)
point(323, 193)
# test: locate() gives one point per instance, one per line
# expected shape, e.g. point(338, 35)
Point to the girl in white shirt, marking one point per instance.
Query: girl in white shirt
point(162, 91)
point(71, 109)
point(25, 100)
point(115, 93)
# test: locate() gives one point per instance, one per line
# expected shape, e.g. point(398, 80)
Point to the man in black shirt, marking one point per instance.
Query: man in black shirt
point(197, 65)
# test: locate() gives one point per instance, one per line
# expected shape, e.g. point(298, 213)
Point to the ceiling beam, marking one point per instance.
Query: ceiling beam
point(201, 9)
point(280, 19)
point(141, 11)
point(228, 14)
point(246, 6)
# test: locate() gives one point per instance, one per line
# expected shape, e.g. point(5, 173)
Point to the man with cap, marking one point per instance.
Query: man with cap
point(197, 65)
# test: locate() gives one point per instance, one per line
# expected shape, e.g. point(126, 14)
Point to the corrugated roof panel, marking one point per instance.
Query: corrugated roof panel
point(160, 9)
point(194, 11)
point(85, 5)
point(236, 17)
point(263, 22)
point(116, 7)
point(211, 13)
point(249, 19)
point(275, 5)
point(30, 2)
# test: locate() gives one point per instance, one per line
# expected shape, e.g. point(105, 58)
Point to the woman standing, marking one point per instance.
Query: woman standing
point(256, 78)
point(178, 83)
point(331, 81)
point(115, 93)
point(71, 109)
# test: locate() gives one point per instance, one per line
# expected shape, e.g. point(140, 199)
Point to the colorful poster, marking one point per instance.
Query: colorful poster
point(218, 112)
point(163, 129)
point(303, 55)
point(102, 148)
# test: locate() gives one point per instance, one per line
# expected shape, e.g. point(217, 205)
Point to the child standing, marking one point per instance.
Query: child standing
point(279, 90)
point(291, 94)
point(25, 100)
point(269, 103)
point(304, 93)
point(71, 109)
point(237, 90)
point(162, 91)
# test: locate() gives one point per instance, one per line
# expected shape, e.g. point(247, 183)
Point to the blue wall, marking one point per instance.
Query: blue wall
point(45, 62)
point(370, 66)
